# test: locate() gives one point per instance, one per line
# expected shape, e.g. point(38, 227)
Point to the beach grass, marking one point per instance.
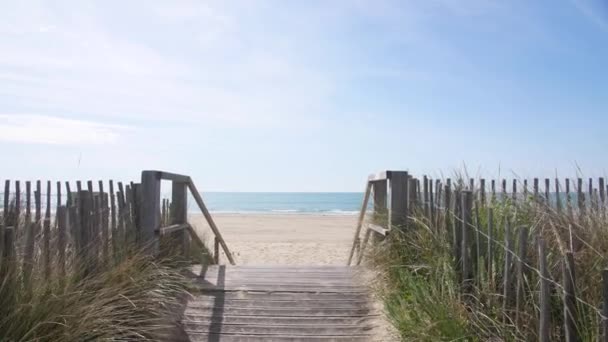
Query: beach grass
point(422, 291)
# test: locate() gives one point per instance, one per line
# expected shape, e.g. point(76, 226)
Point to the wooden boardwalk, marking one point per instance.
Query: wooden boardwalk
point(279, 303)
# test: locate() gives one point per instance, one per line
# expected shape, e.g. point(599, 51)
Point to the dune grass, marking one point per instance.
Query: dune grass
point(422, 293)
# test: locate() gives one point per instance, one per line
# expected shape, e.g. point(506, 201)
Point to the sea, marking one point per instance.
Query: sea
point(321, 203)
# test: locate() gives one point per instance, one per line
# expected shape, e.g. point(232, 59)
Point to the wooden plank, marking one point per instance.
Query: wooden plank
point(216, 250)
point(38, 206)
point(7, 198)
point(17, 215)
point(150, 207)
point(425, 197)
point(504, 190)
point(271, 330)
point(211, 302)
point(467, 227)
point(204, 337)
point(380, 176)
point(514, 191)
point(287, 312)
point(493, 190)
point(544, 328)
point(62, 221)
point(68, 195)
point(398, 210)
point(179, 214)
point(535, 189)
point(558, 196)
point(525, 189)
point(212, 225)
point(46, 246)
point(490, 251)
point(104, 223)
point(194, 316)
point(113, 222)
point(457, 238)
point(172, 176)
point(122, 216)
point(547, 190)
point(380, 230)
point(269, 296)
point(173, 228)
point(581, 196)
point(356, 238)
point(380, 192)
point(86, 254)
point(482, 191)
point(602, 188)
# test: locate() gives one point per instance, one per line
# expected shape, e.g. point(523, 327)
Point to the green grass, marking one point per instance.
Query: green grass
point(422, 292)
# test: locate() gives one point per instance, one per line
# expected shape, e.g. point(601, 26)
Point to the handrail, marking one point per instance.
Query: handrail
point(216, 231)
point(151, 188)
point(368, 190)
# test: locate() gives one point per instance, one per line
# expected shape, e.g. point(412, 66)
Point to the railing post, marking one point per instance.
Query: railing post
point(398, 210)
point(150, 211)
point(179, 214)
point(379, 189)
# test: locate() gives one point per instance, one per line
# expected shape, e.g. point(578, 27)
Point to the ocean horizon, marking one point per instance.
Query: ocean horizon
point(321, 203)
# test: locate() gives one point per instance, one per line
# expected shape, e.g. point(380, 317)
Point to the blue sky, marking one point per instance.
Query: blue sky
point(302, 95)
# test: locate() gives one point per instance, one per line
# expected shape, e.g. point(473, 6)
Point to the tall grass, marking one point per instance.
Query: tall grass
point(423, 292)
point(131, 296)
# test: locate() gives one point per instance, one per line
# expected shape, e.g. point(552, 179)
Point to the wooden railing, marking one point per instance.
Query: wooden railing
point(390, 190)
point(180, 228)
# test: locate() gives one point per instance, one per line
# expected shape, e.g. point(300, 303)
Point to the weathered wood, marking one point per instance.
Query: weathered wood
point(535, 185)
point(493, 190)
point(457, 239)
point(179, 214)
point(490, 251)
point(46, 245)
point(129, 217)
point(521, 275)
point(482, 191)
point(378, 229)
point(514, 191)
point(62, 221)
point(7, 198)
point(570, 314)
point(210, 221)
point(122, 215)
point(38, 206)
point(356, 239)
point(602, 188)
point(290, 308)
point(449, 229)
point(425, 197)
point(413, 204)
point(558, 196)
point(580, 196)
point(525, 189)
point(172, 229)
point(86, 254)
point(467, 227)
point(104, 223)
point(17, 215)
point(547, 190)
point(544, 327)
point(68, 191)
point(472, 184)
point(504, 190)
point(150, 207)
point(113, 223)
point(431, 204)
point(398, 210)
point(380, 192)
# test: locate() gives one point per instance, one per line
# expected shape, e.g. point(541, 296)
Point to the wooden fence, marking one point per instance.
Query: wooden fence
point(457, 209)
point(92, 224)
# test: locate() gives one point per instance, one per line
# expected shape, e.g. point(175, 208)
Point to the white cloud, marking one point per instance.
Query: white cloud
point(41, 129)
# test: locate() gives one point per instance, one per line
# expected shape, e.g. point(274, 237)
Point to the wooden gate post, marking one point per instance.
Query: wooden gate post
point(150, 211)
point(179, 214)
point(398, 210)
point(380, 191)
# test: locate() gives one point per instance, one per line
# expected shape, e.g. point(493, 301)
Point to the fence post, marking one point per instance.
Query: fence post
point(571, 332)
point(379, 189)
point(398, 210)
point(467, 223)
point(425, 187)
point(179, 214)
point(62, 238)
point(149, 211)
point(545, 296)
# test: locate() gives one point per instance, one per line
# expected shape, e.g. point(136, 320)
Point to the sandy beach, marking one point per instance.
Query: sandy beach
point(293, 239)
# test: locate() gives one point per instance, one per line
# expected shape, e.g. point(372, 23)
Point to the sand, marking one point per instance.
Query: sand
point(293, 239)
